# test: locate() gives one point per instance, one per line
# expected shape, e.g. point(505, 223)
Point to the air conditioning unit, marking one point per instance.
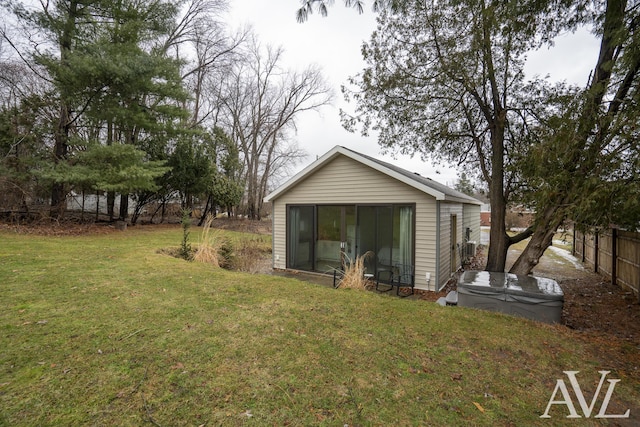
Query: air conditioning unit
point(470, 249)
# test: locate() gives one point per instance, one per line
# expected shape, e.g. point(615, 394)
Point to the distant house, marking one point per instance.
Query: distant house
point(485, 215)
point(346, 204)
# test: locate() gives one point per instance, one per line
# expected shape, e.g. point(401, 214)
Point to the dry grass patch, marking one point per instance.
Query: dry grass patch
point(354, 271)
point(210, 245)
point(227, 249)
point(250, 255)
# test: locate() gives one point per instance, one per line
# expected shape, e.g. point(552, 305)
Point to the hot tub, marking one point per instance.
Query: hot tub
point(531, 297)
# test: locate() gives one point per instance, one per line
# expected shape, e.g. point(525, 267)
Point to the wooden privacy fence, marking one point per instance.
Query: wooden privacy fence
point(613, 253)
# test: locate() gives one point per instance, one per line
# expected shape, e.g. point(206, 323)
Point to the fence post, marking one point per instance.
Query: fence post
point(596, 249)
point(614, 256)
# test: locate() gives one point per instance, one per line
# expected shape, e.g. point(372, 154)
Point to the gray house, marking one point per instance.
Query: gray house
point(346, 204)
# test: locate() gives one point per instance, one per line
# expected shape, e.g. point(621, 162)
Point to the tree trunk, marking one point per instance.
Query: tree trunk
point(61, 148)
point(97, 205)
point(208, 206)
point(541, 239)
point(530, 257)
point(141, 202)
point(124, 207)
point(251, 204)
point(58, 190)
point(82, 207)
point(252, 189)
point(58, 200)
point(498, 238)
point(111, 202)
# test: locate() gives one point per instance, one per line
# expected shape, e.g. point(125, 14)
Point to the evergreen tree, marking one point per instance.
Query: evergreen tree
point(440, 74)
point(111, 85)
point(445, 80)
point(586, 168)
point(120, 168)
point(22, 153)
point(191, 170)
point(464, 185)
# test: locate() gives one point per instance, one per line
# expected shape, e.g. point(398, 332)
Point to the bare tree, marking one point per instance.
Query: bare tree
point(24, 115)
point(201, 39)
point(261, 103)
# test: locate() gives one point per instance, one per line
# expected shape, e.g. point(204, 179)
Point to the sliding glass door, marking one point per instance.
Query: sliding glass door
point(325, 237)
point(300, 237)
point(335, 238)
point(387, 233)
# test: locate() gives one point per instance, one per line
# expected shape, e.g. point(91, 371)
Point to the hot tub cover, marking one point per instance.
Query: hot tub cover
point(507, 283)
point(535, 298)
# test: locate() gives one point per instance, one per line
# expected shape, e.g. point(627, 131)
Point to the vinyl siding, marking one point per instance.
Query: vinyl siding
point(471, 219)
point(346, 182)
point(467, 215)
point(446, 212)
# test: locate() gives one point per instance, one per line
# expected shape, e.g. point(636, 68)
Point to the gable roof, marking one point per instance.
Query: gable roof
point(424, 184)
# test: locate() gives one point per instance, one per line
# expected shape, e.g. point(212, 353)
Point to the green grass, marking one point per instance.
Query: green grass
point(106, 330)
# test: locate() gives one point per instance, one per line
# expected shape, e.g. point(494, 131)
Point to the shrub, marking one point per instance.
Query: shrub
point(185, 248)
point(249, 255)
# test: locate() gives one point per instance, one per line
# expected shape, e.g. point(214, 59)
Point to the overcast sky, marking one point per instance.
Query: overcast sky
point(334, 43)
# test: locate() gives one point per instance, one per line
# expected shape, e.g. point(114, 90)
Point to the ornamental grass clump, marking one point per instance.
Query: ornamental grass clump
point(210, 245)
point(354, 272)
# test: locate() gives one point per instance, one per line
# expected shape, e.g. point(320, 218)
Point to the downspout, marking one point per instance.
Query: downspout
point(436, 282)
point(273, 235)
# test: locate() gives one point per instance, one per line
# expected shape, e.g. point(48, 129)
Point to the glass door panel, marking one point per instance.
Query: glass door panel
point(329, 242)
point(403, 235)
point(386, 231)
point(349, 237)
point(387, 254)
point(300, 236)
point(366, 236)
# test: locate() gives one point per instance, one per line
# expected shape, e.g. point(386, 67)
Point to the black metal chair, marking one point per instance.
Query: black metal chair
point(338, 275)
point(400, 276)
point(384, 276)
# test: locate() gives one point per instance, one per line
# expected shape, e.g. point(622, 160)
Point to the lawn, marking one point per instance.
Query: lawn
point(106, 329)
